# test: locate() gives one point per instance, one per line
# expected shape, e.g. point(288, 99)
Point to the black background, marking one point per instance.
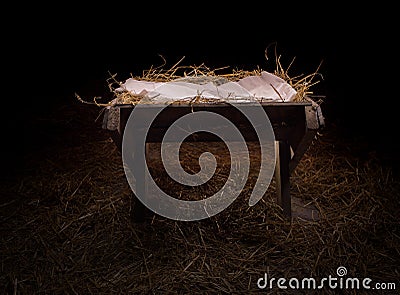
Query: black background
point(51, 53)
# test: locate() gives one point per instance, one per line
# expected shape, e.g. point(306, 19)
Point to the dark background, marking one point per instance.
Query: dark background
point(51, 53)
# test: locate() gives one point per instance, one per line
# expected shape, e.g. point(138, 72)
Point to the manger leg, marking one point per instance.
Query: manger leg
point(138, 210)
point(283, 177)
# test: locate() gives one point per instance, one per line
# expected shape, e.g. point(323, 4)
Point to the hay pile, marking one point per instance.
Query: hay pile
point(67, 230)
point(303, 84)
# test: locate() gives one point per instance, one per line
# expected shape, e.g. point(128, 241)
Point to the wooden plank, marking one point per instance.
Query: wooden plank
point(312, 126)
point(138, 210)
point(282, 177)
point(283, 114)
point(287, 120)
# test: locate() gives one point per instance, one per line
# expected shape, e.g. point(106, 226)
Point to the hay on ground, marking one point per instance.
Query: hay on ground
point(67, 229)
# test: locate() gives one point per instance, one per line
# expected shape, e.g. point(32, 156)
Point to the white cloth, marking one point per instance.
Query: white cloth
point(266, 86)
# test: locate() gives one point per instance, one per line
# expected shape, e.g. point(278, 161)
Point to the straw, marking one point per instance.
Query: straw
point(303, 84)
point(69, 230)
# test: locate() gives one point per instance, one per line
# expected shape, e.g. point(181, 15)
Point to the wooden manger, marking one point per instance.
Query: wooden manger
point(294, 124)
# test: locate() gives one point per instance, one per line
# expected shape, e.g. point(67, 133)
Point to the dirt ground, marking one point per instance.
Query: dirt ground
point(66, 229)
